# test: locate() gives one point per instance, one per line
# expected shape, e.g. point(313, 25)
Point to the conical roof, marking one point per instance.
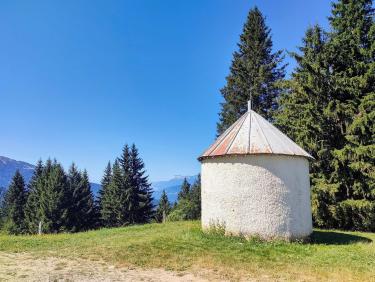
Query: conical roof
point(251, 134)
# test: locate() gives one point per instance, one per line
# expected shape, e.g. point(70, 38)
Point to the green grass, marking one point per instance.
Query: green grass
point(332, 255)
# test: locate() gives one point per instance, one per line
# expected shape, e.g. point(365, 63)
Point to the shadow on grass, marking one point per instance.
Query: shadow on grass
point(336, 238)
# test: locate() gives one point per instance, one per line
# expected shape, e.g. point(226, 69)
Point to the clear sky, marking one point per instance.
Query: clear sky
point(79, 79)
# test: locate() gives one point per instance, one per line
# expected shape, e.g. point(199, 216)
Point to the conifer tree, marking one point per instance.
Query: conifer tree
point(87, 208)
point(142, 187)
point(329, 110)
point(351, 56)
point(129, 189)
point(74, 180)
point(164, 208)
point(54, 200)
point(185, 190)
point(32, 209)
point(195, 198)
point(81, 203)
point(112, 210)
point(106, 180)
point(15, 205)
point(255, 70)
point(302, 116)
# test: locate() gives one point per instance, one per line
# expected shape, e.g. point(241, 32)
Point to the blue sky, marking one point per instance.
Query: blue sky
point(79, 79)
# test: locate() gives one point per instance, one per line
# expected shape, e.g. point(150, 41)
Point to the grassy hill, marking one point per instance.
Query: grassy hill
point(182, 246)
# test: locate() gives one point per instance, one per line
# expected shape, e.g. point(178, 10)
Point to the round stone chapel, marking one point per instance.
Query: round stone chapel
point(255, 182)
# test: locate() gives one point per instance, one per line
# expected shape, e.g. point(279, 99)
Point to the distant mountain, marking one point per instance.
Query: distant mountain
point(171, 187)
point(8, 168)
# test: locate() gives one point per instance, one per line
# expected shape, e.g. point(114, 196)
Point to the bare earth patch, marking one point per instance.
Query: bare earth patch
point(25, 267)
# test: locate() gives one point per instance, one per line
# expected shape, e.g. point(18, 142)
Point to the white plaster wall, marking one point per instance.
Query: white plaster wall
point(264, 195)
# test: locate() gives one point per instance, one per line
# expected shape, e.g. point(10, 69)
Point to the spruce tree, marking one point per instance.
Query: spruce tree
point(112, 210)
point(15, 205)
point(351, 58)
point(32, 209)
point(81, 204)
point(255, 70)
point(184, 190)
point(106, 180)
point(55, 198)
point(329, 110)
point(140, 184)
point(74, 180)
point(130, 195)
point(88, 212)
point(164, 208)
point(302, 116)
point(195, 198)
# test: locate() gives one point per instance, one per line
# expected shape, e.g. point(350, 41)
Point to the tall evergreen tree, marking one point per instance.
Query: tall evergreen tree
point(329, 110)
point(32, 209)
point(256, 71)
point(351, 56)
point(112, 210)
point(129, 189)
point(15, 204)
point(87, 209)
point(302, 115)
point(195, 198)
point(140, 183)
point(74, 180)
point(106, 180)
point(185, 190)
point(54, 200)
point(164, 208)
point(81, 204)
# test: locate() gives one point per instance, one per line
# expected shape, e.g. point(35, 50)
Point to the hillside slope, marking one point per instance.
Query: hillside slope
point(9, 166)
point(182, 246)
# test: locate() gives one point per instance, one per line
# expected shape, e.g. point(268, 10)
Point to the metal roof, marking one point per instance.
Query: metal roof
point(251, 134)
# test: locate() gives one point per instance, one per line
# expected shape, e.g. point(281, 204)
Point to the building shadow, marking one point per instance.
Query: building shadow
point(336, 238)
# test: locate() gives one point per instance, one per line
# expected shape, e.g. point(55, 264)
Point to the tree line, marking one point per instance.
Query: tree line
point(327, 106)
point(55, 201)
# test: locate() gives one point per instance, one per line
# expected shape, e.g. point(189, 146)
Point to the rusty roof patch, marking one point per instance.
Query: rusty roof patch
point(252, 134)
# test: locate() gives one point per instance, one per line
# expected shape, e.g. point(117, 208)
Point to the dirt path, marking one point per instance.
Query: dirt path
point(25, 267)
